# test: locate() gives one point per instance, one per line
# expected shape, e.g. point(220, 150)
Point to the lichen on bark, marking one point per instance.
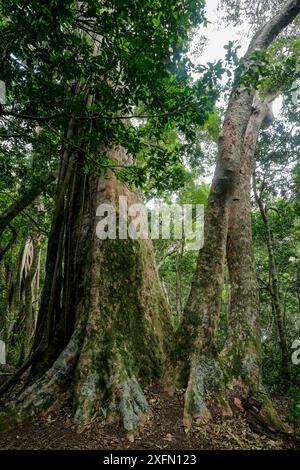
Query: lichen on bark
point(125, 322)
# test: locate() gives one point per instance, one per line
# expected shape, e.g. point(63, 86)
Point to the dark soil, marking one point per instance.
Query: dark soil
point(162, 429)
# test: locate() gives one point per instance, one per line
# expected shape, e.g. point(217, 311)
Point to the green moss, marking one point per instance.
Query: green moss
point(132, 326)
point(8, 419)
point(206, 381)
point(125, 334)
point(25, 411)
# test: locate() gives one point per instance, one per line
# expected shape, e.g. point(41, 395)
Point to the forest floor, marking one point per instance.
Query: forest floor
point(162, 430)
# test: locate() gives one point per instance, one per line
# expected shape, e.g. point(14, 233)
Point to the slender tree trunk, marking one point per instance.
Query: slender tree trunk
point(64, 274)
point(274, 289)
point(14, 294)
point(227, 300)
point(22, 302)
point(24, 201)
point(196, 354)
point(179, 256)
point(243, 340)
point(30, 297)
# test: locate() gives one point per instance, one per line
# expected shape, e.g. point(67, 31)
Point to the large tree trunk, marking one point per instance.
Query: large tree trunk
point(196, 355)
point(115, 313)
point(128, 325)
point(22, 306)
point(241, 356)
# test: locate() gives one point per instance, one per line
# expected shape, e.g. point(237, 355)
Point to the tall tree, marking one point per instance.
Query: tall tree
point(242, 351)
point(103, 325)
point(274, 287)
point(277, 260)
point(196, 355)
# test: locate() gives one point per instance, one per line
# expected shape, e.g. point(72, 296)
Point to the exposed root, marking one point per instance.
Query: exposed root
point(263, 416)
point(248, 396)
point(206, 384)
point(132, 403)
point(47, 392)
point(13, 379)
point(114, 394)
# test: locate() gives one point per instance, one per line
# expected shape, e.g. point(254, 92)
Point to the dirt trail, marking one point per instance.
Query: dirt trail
point(162, 430)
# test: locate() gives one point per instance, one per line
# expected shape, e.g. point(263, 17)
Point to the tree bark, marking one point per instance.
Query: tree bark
point(30, 297)
point(22, 300)
point(179, 256)
point(10, 244)
point(128, 326)
point(196, 355)
point(241, 356)
point(112, 296)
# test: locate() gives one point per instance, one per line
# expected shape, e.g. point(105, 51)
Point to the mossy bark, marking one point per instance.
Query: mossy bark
point(128, 325)
point(197, 335)
point(229, 381)
point(49, 391)
point(51, 334)
point(241, 353)
point(120, 309)
point(22, 301)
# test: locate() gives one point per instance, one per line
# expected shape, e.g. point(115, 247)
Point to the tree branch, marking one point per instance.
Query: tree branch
point(51, 117)
point(24, 201)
